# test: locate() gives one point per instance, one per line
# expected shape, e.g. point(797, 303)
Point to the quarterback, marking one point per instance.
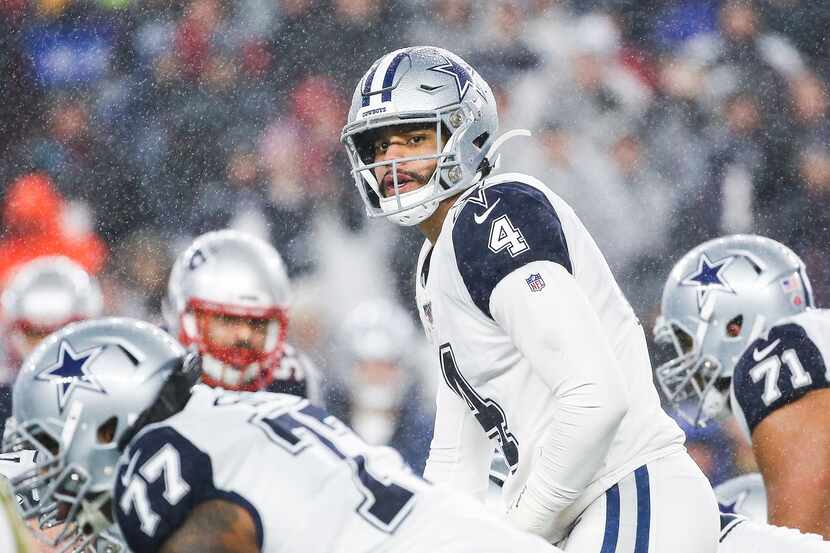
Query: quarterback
point(541, 355)
point(738, 314)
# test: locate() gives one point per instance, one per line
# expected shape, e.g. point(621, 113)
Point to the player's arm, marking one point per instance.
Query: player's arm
point(780, 393)
point(559, 333)
point(460, 452)
point(215, 526)
point(792, 447)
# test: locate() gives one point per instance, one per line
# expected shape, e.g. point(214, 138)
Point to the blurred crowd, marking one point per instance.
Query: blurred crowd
point(129, 127)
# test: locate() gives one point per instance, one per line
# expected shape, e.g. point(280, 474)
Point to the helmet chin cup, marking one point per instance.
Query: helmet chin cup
point(422, 208)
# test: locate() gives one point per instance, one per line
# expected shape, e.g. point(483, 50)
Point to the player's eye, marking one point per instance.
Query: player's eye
point(381, 146)
point(417, 139)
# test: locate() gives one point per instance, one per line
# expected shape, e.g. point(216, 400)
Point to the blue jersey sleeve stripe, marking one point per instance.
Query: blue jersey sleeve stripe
point(516, 208)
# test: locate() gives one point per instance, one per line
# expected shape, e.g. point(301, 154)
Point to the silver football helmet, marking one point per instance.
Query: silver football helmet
point(377, 341)
point(233, 276)
point(430, 86)
point(79, 396)
point(41, 297)
point(720, 297)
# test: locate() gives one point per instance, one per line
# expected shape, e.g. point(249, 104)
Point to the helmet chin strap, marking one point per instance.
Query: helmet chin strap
point(499, 142)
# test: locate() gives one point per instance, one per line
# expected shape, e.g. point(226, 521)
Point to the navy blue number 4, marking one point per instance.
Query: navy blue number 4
point(487, 412)
point(385, 505)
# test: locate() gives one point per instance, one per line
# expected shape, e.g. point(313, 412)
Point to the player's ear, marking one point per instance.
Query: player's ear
point(106, 432)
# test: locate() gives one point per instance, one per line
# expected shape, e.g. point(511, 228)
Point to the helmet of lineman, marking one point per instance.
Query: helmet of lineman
point(228, 295)
point(78, 395)
point(429, 86)
point(720, 297)
point(42, 296)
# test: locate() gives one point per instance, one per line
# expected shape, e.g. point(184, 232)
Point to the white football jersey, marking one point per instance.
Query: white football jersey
point(508, 228)
point(309, 483)
point(14, 538)
point(278, 456)
point(781, 367)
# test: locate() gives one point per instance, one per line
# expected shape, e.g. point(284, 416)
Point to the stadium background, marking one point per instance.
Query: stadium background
point(129, 127)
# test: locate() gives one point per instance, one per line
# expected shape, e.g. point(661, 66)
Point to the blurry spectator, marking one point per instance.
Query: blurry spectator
point(136, 279)
point(452, 24)
point(84, 166)
point(378, 391)
point(811, 218)
point(808, 101)
point(35, 217)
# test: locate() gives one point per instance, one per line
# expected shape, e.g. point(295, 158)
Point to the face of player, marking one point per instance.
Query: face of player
point(229, 331)
point(405, 141)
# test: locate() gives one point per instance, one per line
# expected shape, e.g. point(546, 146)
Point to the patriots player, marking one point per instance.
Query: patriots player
point(738, 314)
point(541, 354)
point(228, 295)
point(207, 469)
point(40, 297)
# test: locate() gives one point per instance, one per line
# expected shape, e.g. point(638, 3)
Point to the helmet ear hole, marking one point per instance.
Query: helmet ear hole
point(734, 326)
point(106, 432)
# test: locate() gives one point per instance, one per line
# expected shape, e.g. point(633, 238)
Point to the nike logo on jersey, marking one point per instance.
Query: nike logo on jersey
point(760, 354)
point(483, 217)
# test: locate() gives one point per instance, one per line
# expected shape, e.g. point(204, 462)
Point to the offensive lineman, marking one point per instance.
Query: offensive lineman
point(229, 295)
point(738, 312)
point(206, 469)
point(540, 351)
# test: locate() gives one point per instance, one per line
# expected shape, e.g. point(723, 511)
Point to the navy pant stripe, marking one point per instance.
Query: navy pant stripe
point(643, 509)
point(612, 520)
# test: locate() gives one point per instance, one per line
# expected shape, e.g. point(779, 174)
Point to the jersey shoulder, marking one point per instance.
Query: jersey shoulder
point(502, 225)
point(781, 367)
point(296, 375)
point(166, 472)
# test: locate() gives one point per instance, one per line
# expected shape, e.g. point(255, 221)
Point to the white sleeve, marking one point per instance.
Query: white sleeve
point(460, 452)
point(557, 330)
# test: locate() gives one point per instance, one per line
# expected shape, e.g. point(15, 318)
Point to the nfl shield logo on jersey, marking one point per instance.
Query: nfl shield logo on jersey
point(535, 282)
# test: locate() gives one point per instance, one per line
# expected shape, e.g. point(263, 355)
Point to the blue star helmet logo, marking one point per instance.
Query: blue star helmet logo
point(463, 79)
point(708, 278)
point(71, 371)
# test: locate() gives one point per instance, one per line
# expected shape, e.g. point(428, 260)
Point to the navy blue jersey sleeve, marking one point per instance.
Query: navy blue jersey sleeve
point(502, 228)
point(777, 370)
point(159, 483)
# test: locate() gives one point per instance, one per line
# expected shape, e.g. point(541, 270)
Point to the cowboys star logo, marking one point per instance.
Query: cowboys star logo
point(708, 278)
point(71, 371)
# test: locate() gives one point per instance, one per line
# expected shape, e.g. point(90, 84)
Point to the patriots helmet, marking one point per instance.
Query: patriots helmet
point(429, 86)
point(228, 277)
point(719, 298)
point(377, 340)
point(77, 401)
point(42, 296)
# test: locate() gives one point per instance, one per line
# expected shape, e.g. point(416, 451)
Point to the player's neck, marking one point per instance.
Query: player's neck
point(431, 226)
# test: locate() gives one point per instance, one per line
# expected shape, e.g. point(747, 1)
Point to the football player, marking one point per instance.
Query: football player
point(229, 296)
point(40, 297)
point(206, 469)
point(14, 537)
point(738, 314)
point(540, 352)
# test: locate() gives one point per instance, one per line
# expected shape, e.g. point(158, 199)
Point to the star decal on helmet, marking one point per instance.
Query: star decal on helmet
point(463, 79)
point(71, 372)
point(708, 278)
